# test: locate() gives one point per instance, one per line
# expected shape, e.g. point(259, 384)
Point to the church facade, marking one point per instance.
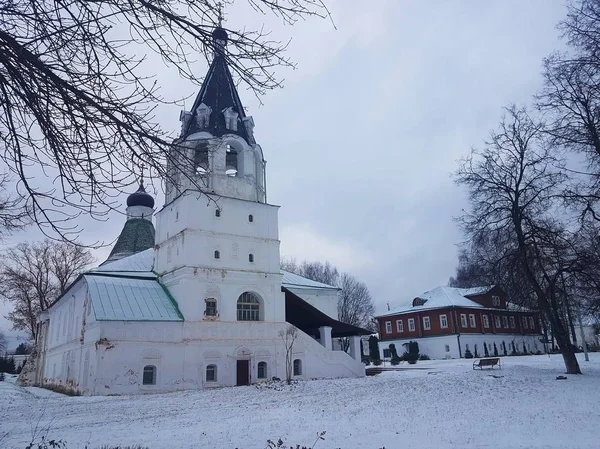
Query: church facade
point(201, 301)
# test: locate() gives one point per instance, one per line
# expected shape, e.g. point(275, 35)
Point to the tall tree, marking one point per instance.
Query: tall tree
point(77, 96)
point(3, 344)
point(512, 185)
point(355, 305)
point(33, 275)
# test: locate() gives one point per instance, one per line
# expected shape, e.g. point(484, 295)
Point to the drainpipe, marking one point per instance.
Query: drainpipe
point(457, 332)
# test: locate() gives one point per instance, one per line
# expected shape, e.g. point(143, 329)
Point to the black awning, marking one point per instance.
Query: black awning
point(308, 318)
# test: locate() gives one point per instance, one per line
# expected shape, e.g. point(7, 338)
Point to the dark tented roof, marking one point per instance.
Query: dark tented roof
point(219, 93)
point(308, 318)
point(137, 235)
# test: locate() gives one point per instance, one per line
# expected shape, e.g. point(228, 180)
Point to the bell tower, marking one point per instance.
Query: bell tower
point(216, 232)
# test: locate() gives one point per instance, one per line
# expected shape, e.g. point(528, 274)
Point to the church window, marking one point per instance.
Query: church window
point(217, 254)
point(250, 218)
point(211, 373)
point(250, 257)
point(262, 370)
point(201, 161)
point(248, 307)
point(297, 367)
point(149, 377)
point(217, 213)
point(211, 307)
point(231, 161)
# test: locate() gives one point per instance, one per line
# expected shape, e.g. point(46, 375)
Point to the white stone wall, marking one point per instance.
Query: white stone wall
point(447, 346)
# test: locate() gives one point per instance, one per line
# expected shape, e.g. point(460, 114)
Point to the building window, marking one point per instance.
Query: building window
point(211, 307)
point(463, 320)
point(512, 322)
point(505, 322)
point(486, 322)
point(387, 353)
point(176, 215)
point(217, 254)
point(297, 367)
point(231, 162)
point(217, 212)
point(524, 320)
point(251, 218)
point(388, 327)
point(497, 322)
point(531, 322)
point(399, 326)
point(443, 321)
point(149, 377)
point(211, 373)
point(201, 161)
point(496, 301)
point(472, 320)
point(248, 307)
point(447, 347)
point(411, 324)
point(426, 323)
point(251, 258)
point(262, 370)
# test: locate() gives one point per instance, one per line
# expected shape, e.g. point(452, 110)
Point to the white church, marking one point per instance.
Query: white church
point(200, 302)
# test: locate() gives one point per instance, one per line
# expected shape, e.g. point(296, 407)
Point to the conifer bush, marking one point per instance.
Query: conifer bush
point(495, 350)
point(468, 354)
point(485, 350)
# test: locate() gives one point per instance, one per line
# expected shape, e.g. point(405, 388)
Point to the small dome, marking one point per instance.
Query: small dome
point(219, 34)
point(140, 198)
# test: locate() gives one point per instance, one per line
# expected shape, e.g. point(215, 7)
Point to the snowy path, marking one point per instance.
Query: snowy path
point(446, 406)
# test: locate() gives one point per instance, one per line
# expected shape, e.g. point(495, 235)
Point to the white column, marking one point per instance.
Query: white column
point(325, 336)
point(355, 347)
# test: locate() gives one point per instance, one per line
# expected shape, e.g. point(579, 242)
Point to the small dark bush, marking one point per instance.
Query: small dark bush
point(496, 350)
point(424, 357)
point(395, 361)
point(377, 362)
point(485, 350)
point(468, 354)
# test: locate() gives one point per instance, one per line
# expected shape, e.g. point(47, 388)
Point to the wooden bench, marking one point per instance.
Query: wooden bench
point(481, 363)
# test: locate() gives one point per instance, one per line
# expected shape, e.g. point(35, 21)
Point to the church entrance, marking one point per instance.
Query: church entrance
point(243, 372)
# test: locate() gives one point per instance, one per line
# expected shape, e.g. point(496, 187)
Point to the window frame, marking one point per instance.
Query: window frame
point(214, 369)
point(262, 364)
point(251, 310)
point(486, 321)
point(524, 322)
point(217, 254)
point(444, 321)
point(250, 218)
point(411, 325)
point(207, 307)
point(504, 322)
point(472, 321)
point(513, 324)
point(153, 374)
point(531, 323)
point(497, 322)
point(426, 323)
point(388, 327)
point(496, 301)
point(297, 367)
point(463, 321)
point(399, 326)
point(251, 258)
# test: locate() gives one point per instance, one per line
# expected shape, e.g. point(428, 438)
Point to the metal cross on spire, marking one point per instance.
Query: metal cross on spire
point(220, 13)
point(142, 166)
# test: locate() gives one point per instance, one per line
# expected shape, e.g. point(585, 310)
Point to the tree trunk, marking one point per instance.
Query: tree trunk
point(566, 349)
point(570, 321)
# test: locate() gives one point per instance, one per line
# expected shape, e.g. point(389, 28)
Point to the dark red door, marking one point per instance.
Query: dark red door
point(243, 372)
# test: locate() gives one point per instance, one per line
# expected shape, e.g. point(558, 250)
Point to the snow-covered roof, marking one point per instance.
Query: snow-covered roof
point(127, 299)
point(473, 291)
point(441, 297)
point(291, 280)
point(142, 261)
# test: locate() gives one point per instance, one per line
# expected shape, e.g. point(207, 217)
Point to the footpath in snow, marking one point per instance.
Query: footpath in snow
point(447, 405)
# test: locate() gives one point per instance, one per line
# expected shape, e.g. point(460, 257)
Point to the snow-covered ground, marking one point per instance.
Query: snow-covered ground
point(438, 404)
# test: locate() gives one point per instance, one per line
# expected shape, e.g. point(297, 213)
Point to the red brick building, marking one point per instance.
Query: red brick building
point(447, 321)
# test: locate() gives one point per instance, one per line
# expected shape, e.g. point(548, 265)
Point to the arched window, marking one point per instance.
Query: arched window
point(262, 370)
point(217, 254)
point(248, 307)
point(211, 307)
point(149, 377)
point(231, 161)
point(250, 218)
point(250, 257)
point(217, 212)
point(297, 367)
point(211, 373)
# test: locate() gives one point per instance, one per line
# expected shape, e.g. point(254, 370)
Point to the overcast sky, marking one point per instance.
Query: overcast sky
point(362, 139)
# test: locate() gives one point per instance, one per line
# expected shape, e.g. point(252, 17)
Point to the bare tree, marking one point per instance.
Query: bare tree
point(513, 184)
point(355, 305)
point(34, 275)
point(289, 336)
point(3, 344)
point(77, 100)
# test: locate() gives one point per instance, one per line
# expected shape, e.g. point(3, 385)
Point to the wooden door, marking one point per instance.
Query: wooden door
point(243, 372)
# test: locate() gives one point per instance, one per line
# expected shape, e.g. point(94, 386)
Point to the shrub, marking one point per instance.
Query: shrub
point(412, 355)
point(1, 376)
point(476, 354)
point(394, 354)
point(496, 350)
point(424, 357)
point(514, 348)
point(366, 360)
point(485, 349)
point(374, 349)
point(504, 348)
point(377, 362)
point(524, 349)
point(396, 361)
point(468, 354)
